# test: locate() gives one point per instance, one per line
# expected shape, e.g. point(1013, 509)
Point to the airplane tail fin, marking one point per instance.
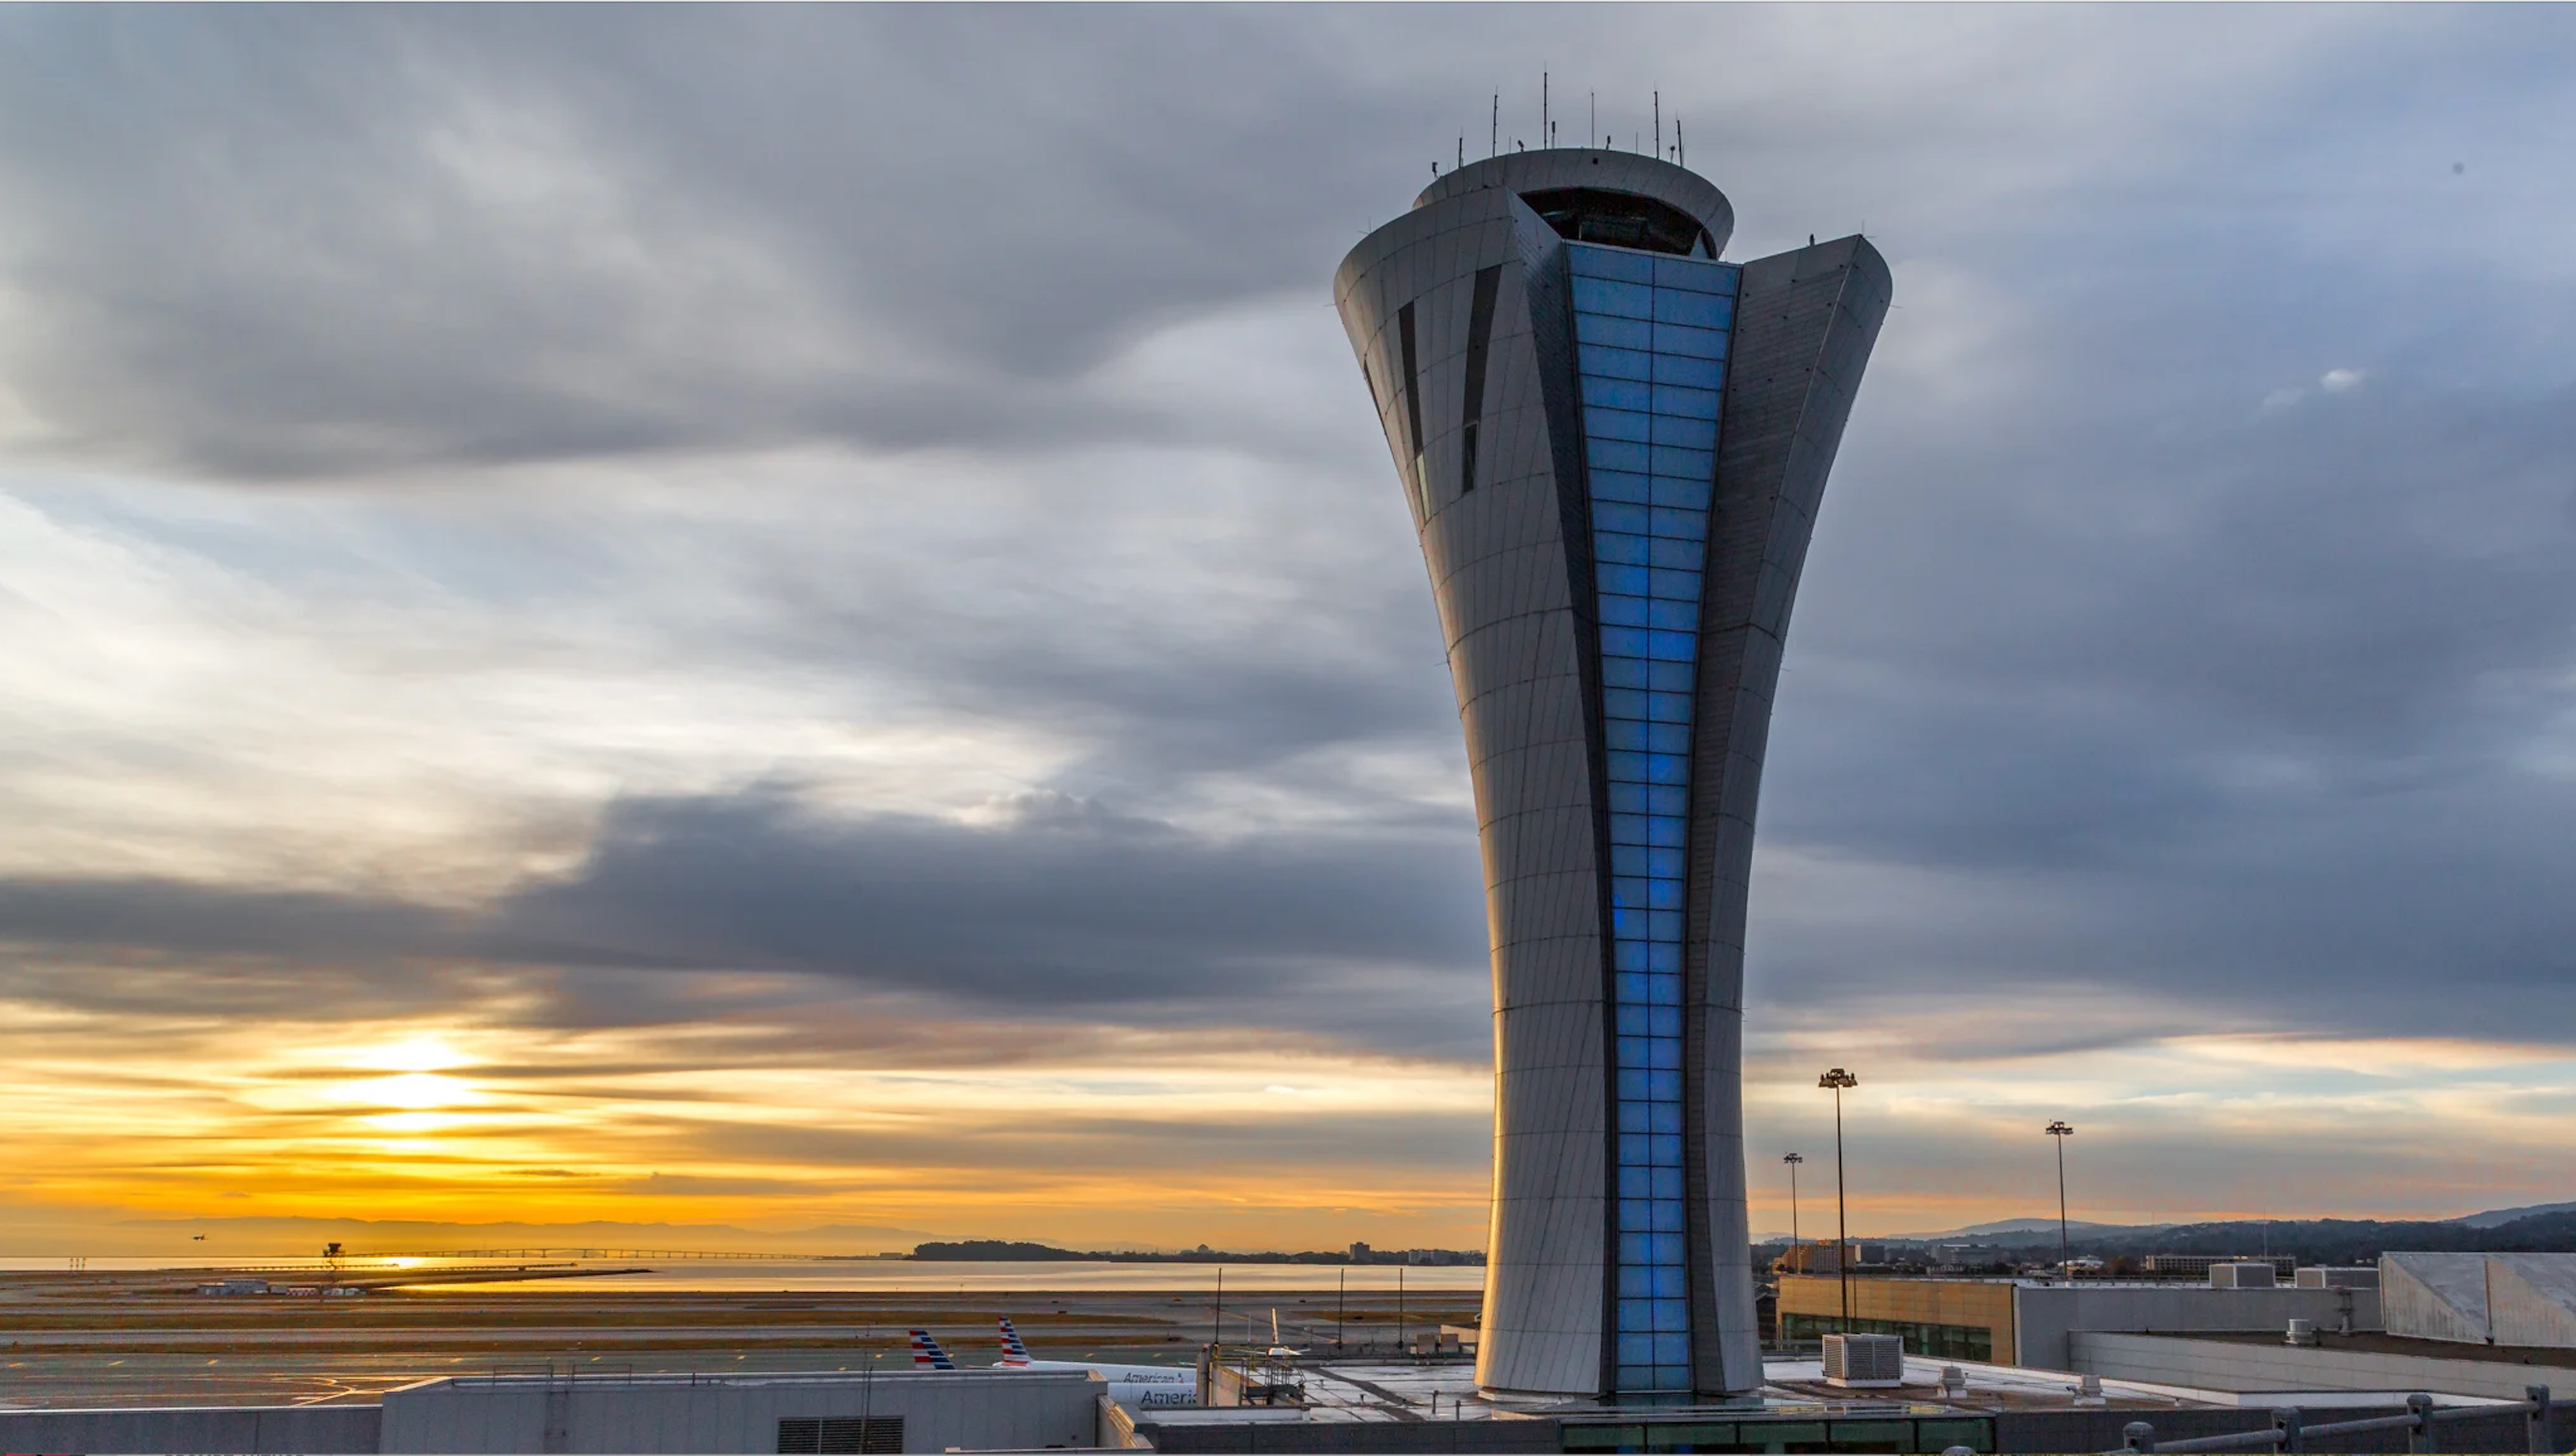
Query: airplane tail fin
point(926, 1354)
point(1013, 1352)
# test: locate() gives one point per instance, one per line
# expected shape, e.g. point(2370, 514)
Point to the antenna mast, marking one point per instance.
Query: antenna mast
point(1494, 141)
point(1542, 109)
point(1659, 123)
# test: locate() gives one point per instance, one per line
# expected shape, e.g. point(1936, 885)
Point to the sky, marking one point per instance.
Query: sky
point(795, 619)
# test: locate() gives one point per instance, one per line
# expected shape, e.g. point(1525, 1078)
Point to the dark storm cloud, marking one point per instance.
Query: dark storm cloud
point(336, 241)
point(1064, 912)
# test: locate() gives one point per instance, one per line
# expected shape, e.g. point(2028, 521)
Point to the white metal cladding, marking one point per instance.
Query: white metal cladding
point(1513, 576)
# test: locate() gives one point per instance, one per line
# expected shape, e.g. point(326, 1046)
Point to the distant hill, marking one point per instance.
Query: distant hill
point(2317, 1241)
point(2496, 1217)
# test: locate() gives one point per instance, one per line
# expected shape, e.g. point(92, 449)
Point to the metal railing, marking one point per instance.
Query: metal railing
point(2421, 1423)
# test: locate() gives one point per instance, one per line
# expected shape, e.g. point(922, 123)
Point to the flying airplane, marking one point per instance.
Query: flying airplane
point(1129, 1385)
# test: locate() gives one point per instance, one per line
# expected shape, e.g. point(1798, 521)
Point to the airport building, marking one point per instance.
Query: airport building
point(1612, 443)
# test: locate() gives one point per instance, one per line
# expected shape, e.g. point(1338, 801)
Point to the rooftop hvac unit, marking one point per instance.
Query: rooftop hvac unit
point(2324, 1278)
point(2243, 1274)
point(1864, 1362)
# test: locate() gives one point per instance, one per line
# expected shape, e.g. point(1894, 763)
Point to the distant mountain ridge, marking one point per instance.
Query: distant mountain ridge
point(2547, 1228)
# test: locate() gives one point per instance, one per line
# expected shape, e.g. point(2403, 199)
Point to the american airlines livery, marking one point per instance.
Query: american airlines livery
point(926, 1354)
point(1134, 1386)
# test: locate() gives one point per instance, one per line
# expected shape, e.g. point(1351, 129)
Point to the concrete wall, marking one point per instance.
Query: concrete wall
point(194, 1429)
point(2435, 1296)
point(2229, 1365)
point(2501, 1299)
point(2531, 1299)
point(2043, 1316)
point(974, 1409)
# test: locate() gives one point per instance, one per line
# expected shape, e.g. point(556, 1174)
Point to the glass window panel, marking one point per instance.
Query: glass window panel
point(1636, 1314)
point(1629, 859)
point(1618, 333)
point(1628, 798)
point(1618, 516)
point(1681, 430)
point(1665, 1183)
point(1666, 1213)
point(1663, 737)
point(1672, 1351)
point(1603, 362)
point(1625, 641)
point(1679, 492)
point(1662, 1118)
point(1636, 1248)
point(1694, 273)
point(1615, 424)
point(1627, 735)
point(1631, 828)
point(1666, 829)
point(1625, 611)
point(1664, 960)
point(1670, 551)
point(1670, 647)
point(1674, 306)
point(1629, 767)
point(1672, 521)
point(1630, 922)
point(1666, 768)
point(1666, 707)
point(1627, 702)
point(1663, 894)
point(1660, 1086)
point(1665, 582)
point(1627, 548)
point(1637, 1281)
point(1635, 987)
point(1662, 1021)
point(1661, 989)
point(1662, 800)
point(1626, 394)
point(1683, 370)
point(1667, 1247)
point(1664, 1054)
point(1673, 399)
point(1607, 454)
point(1636, 1021)
point(1627, 672)
point(1672, 339)
point(1621, 485)
point(1636, 1349)
point(1616, 298)
point(1611, 263)
point(1669, 614)
point(1633, 893)
point(1689, 464)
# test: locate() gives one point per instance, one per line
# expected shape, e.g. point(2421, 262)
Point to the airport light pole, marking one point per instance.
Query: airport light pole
point(1837, 1080)
point(2058, 1133)
point(1793, 1160)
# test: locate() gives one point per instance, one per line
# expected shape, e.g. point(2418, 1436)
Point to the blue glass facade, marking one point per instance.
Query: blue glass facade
point(1651, 342)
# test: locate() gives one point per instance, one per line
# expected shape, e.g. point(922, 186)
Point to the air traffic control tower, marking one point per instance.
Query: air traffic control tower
point(1613, 445)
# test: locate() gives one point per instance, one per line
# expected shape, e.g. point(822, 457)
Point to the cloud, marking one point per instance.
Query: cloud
point(1056, 908)
point(855, 532)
